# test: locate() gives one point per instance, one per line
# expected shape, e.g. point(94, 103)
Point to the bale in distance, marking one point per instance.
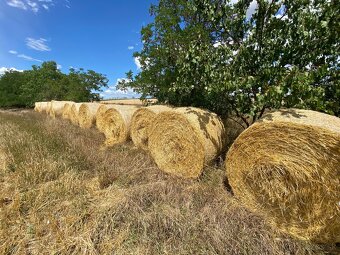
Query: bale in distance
point(141, 122)
point(42, 107)
point(37, 106)
point(87, 114)
point(117, 124)
point(182, 141)
point(100, 115)
point(66, 114)
point(73, 115)
point(286, 167)
point(57, 108)
point(48, 108)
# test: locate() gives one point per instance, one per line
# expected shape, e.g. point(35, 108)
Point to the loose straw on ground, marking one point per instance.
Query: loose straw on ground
point(141, 122)
point(184, 140)
point(286, 168)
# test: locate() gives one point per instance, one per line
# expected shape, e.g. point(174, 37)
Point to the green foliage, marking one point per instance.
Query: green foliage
point(46, 82)
point(209, 53)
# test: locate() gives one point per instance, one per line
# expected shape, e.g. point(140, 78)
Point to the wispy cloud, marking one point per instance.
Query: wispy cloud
point(29, 58)
point(34, 5)
point(37, 44)
point(17, 4)
point(131, 47)
point(13, 52)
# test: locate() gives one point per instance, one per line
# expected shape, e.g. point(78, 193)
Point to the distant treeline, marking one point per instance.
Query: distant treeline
point(47, 82)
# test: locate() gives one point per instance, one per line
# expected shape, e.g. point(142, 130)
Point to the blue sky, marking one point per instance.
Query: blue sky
point(98, 35)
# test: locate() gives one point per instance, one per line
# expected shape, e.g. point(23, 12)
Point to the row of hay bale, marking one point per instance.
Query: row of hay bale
point(285, 167)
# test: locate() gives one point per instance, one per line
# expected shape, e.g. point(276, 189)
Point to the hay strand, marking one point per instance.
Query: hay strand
point(286, 167)
point(141, 122)
point(117, 123)
point(183, 140)
point(87, 114)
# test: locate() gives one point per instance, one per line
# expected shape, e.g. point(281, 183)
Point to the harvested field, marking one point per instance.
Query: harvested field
point(61, 194)
point(286, 168)
point(130, 102)
point(182, 141)
point(141, 123)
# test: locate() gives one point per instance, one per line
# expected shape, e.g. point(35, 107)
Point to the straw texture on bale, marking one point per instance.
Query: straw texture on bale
point(57, 108)
point(87, 114)
point(117, 124)
point(183, 140)
point(37, 106)
point(286, 167)
point(42, 107)
point(74, 113)
point(100, 115)
point(66, 114)
point(141, 122)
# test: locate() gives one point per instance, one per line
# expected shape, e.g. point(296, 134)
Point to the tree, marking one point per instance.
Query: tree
point(47, 82)
point(213, 54)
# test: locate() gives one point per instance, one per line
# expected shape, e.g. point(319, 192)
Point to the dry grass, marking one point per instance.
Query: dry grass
point(61, 194)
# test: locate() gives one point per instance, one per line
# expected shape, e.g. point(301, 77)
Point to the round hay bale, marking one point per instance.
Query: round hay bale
point(87, 114)
point(48, 108)
point(57, 108)
point(100, 115)
point(36, 106)
point(42, 107)
point(117, 123)
point(73, 115)
point(183, 140)
point(286, 167)
point(141, 122)
point(67, 111)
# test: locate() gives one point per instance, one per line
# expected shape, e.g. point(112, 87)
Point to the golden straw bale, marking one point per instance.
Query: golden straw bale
point(57, 108)
point(87, 114)
point(74, 113)
point(48, 108)
point(42, 107)
point(100, 115)
point(183, 140)
point(66, 114)
point(286, 167)
point(140, 124)
point(117, 123)
point(36, 106)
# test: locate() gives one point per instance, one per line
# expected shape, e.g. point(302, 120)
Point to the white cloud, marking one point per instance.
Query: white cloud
point(37, 44)
point(13, 52)
point(29, 58)
point(17, 4)
point(137, 62)
point(131, 48)
point(33, 5)
point(59, 66)
point(3, 70)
